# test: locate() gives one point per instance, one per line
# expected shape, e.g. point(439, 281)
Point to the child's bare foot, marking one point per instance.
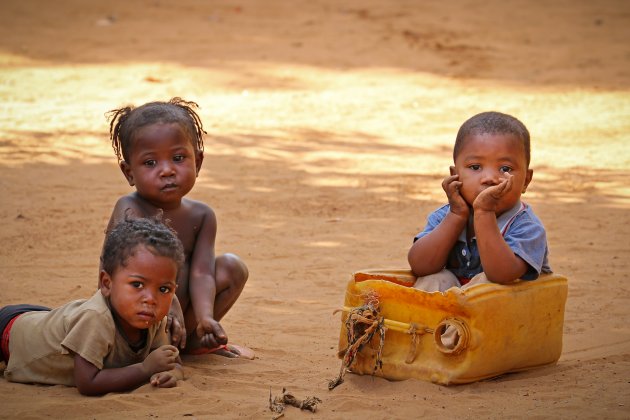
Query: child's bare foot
point(226, 350)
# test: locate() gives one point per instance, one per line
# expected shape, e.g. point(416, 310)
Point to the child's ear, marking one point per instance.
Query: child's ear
point(106, 283)
point(126, 170)
point(198, 160)
point(452, 169)
point(528, 179)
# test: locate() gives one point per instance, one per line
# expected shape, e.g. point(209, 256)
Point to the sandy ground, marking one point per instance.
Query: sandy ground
point(330, 128)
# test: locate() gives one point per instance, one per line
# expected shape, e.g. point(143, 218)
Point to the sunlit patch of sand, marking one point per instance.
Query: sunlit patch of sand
point(410, 118)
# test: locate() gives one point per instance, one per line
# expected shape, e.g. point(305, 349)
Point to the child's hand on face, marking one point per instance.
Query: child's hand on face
point(211, 333)
point(488, 200)
point(164, 380)
point(162, 359)
point(451, 187)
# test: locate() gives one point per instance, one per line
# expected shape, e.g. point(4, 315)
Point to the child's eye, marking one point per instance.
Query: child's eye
point(165, 289)
point(136, 284)
point(505, 169)
point(151, 163)
point(475, 167)
point(178, 158)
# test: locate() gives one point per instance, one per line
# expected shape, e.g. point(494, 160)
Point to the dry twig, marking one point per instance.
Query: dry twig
point(277, 404)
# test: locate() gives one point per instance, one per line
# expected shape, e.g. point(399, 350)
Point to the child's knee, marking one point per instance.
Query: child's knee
point(233, 268)
point(440, 281)
point(478, 279)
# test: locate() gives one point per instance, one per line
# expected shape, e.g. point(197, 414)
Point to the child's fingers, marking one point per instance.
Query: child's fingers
point(168, 381)
point(162, 380)
point(220, 334)
point(182, 340)
point(209, 340)
point(510, 182)
point(169, 323)
point(505, 185)
point(448, 181)
point(178, 332)
point(175, 352)
point(170, 351)
point(169, 347)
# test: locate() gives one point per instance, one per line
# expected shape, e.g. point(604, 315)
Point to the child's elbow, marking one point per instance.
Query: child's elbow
point(88, 391)
point(501, 278)
point(413, 261)
point(419, 266)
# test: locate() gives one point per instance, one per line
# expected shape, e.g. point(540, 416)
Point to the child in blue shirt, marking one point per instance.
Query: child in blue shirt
point(485, 233)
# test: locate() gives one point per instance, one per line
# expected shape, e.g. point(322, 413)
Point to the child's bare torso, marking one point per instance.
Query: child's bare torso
point(187, 220)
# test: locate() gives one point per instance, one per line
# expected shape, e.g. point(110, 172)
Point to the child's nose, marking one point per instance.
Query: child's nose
point(490, 177)
point(149, 297)
point(167, 169)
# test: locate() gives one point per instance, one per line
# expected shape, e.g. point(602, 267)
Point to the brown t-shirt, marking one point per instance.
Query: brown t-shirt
point(42, 344)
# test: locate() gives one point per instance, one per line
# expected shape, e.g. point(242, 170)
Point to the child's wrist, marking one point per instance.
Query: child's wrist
point(483, 213)
point(145, 369)
point(208, 317)
point(460, 219)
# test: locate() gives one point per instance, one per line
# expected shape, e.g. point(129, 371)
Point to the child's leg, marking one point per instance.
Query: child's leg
point(440, 281)
point(8, 315)
point(450, 336)
point(478, 279)
point(231, 275)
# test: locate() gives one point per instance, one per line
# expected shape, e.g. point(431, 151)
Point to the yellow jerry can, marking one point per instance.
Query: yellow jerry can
point(496, 328)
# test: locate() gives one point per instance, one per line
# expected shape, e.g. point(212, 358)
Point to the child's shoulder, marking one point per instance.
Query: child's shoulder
point(128, 201)
point(523, 221)
point(528, 215)
point(197, 207)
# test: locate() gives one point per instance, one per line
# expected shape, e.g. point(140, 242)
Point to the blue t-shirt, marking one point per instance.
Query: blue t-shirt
point(522, 230)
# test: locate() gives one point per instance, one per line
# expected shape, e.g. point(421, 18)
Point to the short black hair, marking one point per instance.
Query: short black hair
point(492, 122)
point(126, 121)
point(128, 234)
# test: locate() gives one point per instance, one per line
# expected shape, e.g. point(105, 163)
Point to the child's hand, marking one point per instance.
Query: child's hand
point(451, 187)
point(175, 325)
point(164, 380)
point(211, 333)
point(488, 200)
point(162, 359)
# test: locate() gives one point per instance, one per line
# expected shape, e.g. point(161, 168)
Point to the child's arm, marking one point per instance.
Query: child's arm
point(428, 254)
point(203, 286)
point(499, 262)
point(93, 381)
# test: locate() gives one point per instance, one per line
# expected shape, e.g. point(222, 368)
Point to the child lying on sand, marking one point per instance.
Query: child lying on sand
point(114, 341)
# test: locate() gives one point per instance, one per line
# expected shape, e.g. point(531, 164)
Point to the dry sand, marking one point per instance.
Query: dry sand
point(330, 128)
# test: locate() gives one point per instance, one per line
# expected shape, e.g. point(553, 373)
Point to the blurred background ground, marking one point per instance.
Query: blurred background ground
point(330, 126)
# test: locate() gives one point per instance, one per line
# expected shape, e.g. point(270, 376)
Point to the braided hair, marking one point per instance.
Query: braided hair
point(125, 122)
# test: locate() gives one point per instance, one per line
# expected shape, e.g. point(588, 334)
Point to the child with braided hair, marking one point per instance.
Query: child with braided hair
point(159, 147)
point(114, 341)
